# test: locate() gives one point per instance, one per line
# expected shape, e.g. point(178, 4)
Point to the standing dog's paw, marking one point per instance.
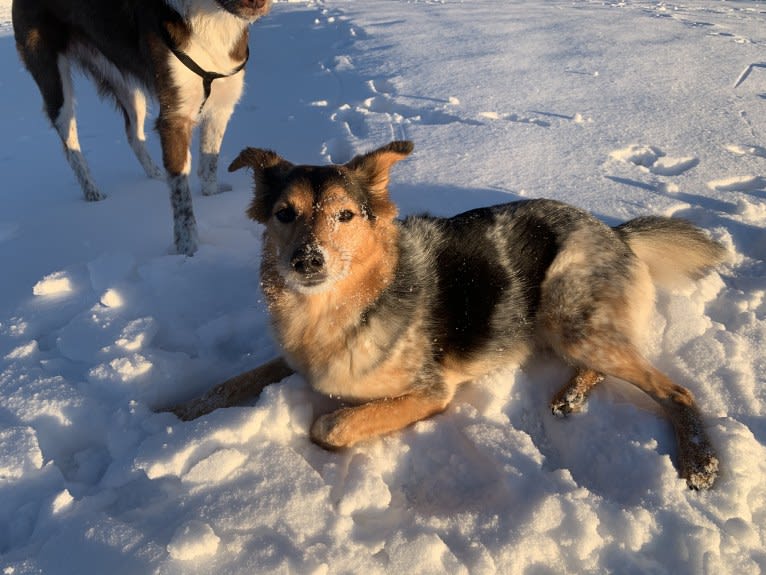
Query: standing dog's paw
point(154, 172)
point(92, 194)
point(213, 188)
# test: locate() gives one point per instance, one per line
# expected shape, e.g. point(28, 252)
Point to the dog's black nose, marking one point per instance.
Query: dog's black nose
point(307, 260)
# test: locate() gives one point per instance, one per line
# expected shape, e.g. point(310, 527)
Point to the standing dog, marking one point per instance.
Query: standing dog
point(393, 315)
point(190, 54)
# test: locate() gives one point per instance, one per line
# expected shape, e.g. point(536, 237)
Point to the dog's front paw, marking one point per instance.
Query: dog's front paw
point(331, 430)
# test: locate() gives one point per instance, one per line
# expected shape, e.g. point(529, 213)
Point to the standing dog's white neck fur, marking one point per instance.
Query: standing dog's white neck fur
point(214, 33)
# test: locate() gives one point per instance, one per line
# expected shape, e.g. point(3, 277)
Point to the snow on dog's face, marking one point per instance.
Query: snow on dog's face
point(324, 223)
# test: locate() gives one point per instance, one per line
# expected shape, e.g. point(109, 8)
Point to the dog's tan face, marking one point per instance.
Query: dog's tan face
point(319, 235)
point(324, 223)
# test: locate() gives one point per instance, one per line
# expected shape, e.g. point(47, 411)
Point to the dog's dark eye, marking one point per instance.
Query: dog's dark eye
point(286, 215)
point(345, 216)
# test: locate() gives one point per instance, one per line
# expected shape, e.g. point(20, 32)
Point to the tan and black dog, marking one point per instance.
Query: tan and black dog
point(189, 54)
point(391, 316)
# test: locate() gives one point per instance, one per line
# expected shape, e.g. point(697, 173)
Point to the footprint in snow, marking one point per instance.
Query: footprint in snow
point(744, 150)
point(515, 118)
point(654, 160)
point(739, 184)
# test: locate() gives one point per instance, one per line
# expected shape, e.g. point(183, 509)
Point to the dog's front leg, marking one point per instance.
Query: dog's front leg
point(349, 425)
point(213, 124)
point(234, 391)
point(175, 136)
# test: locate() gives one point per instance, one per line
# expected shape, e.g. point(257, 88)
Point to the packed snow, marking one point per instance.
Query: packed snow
point(624, 108)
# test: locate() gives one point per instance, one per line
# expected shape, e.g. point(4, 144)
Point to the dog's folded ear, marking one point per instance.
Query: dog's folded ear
point(269, 172)
point(256, 159)
point(373, 169)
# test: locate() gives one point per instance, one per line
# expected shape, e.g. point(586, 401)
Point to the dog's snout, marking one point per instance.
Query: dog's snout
point(307, 260)
point(254, 6)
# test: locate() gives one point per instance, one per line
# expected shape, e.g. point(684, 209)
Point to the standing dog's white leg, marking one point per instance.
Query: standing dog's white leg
point(215, 118)
point(175, 134)
point(66, 126)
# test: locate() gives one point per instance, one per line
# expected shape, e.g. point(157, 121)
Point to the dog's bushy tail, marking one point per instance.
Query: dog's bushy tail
point(674, 249)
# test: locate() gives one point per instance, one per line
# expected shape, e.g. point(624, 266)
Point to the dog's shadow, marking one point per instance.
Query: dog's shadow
point(444, 200)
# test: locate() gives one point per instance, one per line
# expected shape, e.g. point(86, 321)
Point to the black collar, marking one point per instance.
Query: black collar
point(186, 60)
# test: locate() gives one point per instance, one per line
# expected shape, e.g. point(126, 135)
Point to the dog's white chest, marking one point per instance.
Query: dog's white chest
point(356, 373)
point(210, 49)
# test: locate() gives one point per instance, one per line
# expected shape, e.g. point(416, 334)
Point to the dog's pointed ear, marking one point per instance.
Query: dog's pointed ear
point(374, 166)
point(256, 159)
point(373, 169)
point(269, 171)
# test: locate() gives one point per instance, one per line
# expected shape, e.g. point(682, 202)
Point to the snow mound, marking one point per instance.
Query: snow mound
point(193, 540)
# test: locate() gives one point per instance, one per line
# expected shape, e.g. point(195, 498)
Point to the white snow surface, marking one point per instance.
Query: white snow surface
point(624, 108)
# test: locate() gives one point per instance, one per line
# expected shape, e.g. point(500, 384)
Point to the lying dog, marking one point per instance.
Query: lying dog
point(190, 54)
point(393, 315)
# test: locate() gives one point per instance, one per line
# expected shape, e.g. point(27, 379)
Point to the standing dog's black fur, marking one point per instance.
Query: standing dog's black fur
point(189, 54)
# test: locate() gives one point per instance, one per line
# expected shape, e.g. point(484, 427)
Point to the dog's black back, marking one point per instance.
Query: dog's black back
point(487, 267)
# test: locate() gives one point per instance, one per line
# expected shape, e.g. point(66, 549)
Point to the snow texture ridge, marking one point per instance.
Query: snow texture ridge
point(622, 108)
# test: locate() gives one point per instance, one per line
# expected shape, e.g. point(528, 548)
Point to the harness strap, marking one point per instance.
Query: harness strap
point(207, 77)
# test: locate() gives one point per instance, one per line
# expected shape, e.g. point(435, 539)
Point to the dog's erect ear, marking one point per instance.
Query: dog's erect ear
point(374, 166)
point(269, 171)
point(373, 169)
point(257, 160)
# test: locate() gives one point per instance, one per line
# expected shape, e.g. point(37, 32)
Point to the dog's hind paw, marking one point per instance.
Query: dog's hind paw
point(701, 474)
point(570, 402)
point(154, 172)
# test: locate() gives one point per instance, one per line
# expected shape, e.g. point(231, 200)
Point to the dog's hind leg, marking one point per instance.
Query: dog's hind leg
point(66, 126)
point(349, 425)
point(697, 460)
point(50, 69)
point(572, 397)
point(128, 96)
point(132, 101)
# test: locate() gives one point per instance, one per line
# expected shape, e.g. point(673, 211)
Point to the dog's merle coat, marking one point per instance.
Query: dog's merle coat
point(394, 315)
point(135, 48)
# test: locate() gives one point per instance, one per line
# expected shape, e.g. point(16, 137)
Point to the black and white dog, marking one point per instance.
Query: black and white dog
point(189, 54)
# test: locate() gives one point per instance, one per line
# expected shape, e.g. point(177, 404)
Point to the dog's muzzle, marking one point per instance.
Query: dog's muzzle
point(247, 9)
point(308, 264)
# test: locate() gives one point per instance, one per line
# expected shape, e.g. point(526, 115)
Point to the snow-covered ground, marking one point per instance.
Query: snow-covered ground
point(624, 108)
